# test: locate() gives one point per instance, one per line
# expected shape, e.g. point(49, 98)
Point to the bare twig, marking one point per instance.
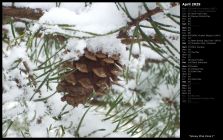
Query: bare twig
point(28, 71)
point(22, 12)
point(136, 21)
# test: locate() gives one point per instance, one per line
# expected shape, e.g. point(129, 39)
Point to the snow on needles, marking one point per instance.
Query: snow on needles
point(76, 49)
point(109, 45)
point(103, 16)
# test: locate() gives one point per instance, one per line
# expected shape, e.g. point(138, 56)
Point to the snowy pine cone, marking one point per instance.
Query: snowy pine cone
point(93, 72)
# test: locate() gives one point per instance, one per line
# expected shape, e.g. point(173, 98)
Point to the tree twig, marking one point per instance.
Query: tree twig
point(136, 21)
point(28, 71)
point(22, 12)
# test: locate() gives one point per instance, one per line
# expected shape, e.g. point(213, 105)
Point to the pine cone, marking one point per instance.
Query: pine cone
point(93, 72)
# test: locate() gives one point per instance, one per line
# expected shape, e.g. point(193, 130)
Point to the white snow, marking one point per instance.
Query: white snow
point(105, 19)
point(177, 134)
point(32, 5)
point(153, 103)
point(76, 49)
point(175, 10)
point(15, 53)
point(145, 52)
point(135, 8)
point(19, 25)
point(109, 45)
point(14, 94)
point(10, 34)
point(77, 7)
point(59, 16)
point(39, 130)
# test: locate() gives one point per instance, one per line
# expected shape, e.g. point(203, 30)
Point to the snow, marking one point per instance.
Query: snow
point(55, 101)
point(151, 5)
point(13, 111)
point(177, 134)
point(145, 52)
point(10, 34)
point(59, 16)
point(14, 94)
point(109, 45)
point(118, 135)
point(19, 25)
point(77, 7)
point(175, 10)
point(39, 130)
point(152, 104)
point(15, 53)
point(165, 5)
point(32, 5)
point(76, 49)
point(107, 18)
point(38, 106)
point(135, 8)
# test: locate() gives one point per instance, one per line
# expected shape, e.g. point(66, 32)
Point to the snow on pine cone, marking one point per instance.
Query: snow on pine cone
point(93, 73)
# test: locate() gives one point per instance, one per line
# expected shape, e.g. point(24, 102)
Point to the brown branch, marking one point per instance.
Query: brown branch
point(104, 103)
point(30, 76)
point(157, 61)
point(35, 14)
point(145, 16)
point(155, 39)
point(149, 13)
point(28, 13)
point(123, 34)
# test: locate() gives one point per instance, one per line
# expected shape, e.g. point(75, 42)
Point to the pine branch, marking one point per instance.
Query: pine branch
point(136, 21)
point(35, 14)
point(22, 12)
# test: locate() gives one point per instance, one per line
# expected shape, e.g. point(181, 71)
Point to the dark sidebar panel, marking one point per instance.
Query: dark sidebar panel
point(201, 72)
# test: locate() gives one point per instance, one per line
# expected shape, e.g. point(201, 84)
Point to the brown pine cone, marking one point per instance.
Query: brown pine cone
point(93, 72)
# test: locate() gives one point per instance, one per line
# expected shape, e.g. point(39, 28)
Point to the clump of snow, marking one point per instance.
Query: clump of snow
point(177, 133)
point(76, 45)
point(19, 25)
point(35, 28)
point(38, 106)
point(135, 64)
point(59, 16)
point(165, 5)
point(169, 91)
point(7, 4)
point(118, 135)
point(151, 5)
point(153, 103)
point(76, 7)
point(10, 33)
point(109, 45)
point(14, 93)
point(174, 10)
point(33, 5)
point(15, 53)
point(56, 103)
point(76, 49)
point(101, 15)
point(146, 52)
point(135, 9)
point(40, 129)
point(127, 90)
